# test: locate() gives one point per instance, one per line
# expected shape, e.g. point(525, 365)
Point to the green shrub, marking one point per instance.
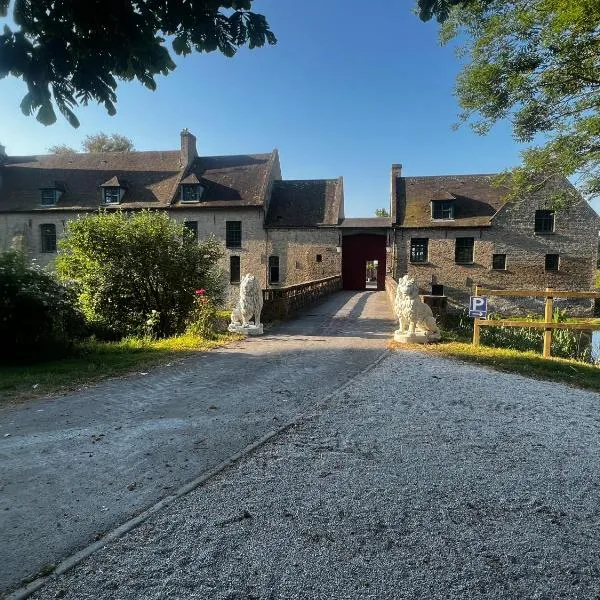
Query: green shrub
point(127, 266)
point(204, 317)
point(39, 315)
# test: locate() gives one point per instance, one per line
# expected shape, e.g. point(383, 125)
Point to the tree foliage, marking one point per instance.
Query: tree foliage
point(61, 149)
point(100, 142)
point(39, 315)
point(381, 212)
point(135, 269)
point(440, 9)
point(70, 52)
point(537, 63)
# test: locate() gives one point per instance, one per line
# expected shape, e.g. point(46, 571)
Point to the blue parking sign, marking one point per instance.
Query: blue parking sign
point(478, 306)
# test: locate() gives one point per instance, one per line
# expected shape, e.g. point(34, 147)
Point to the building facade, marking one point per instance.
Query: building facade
point(283, 232)
point(455, 232)
point(450, 232)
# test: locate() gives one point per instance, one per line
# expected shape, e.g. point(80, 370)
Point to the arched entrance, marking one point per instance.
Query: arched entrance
point(357, 251)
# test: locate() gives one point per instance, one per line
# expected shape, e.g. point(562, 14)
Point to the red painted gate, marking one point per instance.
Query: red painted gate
point(356, 251)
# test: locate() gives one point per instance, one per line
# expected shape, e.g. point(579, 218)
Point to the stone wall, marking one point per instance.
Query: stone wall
point(253, 250)
point(22, 231)
point(299, 251)
point(512, 233)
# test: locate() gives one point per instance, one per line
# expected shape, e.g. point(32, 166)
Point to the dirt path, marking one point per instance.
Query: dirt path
point(73, 467)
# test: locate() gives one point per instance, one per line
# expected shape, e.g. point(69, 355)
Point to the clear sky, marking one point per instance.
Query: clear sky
point(350, 88)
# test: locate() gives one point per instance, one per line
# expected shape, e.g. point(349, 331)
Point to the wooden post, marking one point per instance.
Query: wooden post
point(548, 320)
point(476, 324)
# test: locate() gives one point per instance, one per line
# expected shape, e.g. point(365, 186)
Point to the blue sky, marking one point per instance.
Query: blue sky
point(350, 88)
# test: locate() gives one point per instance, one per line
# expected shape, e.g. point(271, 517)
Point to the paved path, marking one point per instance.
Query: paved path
point(76, 466)
point(423, 478)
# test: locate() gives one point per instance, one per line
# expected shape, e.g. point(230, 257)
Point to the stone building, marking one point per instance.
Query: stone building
point(454, 232)
point(284, 232)
point(449, 232)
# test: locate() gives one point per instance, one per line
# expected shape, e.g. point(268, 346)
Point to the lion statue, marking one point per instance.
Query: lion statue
point(249, 305)
point(413, 314)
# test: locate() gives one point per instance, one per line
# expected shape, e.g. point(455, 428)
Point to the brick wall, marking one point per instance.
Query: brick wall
point(512, 233)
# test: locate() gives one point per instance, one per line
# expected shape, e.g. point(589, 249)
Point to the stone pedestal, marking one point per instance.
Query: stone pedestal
point(247, 330)
point(418, 337)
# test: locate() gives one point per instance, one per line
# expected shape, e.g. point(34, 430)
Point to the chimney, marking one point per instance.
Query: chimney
point(396, 174)
point(188, 148)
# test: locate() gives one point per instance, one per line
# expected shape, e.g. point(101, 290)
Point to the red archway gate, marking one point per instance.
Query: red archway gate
point(356, 251)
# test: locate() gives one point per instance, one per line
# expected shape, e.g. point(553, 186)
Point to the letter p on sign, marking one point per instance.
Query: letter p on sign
point(478, 306)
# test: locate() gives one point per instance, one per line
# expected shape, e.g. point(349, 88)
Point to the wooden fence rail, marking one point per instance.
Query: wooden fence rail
point(547, 325)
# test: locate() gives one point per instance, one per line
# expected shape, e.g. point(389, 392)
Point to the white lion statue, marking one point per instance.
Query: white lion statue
point(413, 314)
point(249, 305)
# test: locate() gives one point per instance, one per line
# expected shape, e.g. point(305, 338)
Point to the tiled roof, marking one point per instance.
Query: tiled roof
point(151, 179)
point(368, 223)
point(477, 200)
point(306, 203)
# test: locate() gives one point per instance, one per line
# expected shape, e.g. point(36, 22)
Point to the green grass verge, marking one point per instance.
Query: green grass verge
point(94, 361)
point(530, 364)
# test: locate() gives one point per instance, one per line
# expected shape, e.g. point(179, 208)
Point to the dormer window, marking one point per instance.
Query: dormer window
point(50, 196)
point(112, 195)
point(191, 192)
point(113, 191)
point(442, 209)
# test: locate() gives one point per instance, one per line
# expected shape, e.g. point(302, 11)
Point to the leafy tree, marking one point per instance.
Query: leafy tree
point(138, 269)
point(381, 212)
point(73, 52)
point(536, 63)
point(61, 149)
point(39, 315)
point(440, 9)
point(100, 142)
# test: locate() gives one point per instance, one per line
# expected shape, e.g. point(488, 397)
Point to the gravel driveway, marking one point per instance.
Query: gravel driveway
point(75, 467)
point(426, 478)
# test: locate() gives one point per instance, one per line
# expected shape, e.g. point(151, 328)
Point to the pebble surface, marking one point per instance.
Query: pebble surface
point(427, 478)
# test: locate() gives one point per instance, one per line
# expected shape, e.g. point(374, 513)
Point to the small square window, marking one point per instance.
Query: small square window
point(49, 197)
point(112, 195)
point(319, 258)
point(552, 261)
point(463, 250)
point(48, 237)
point(191, 229)
point(234, 269)
point(442, 209)
point(233, 234)
point(419, 250)
point(544, 221)
point(191, 192)
point(499, 262)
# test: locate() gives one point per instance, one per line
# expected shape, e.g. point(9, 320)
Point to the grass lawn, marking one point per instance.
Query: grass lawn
point(94, 361)
point(530, 364)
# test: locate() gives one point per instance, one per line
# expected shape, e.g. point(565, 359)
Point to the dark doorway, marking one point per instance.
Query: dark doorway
point(357, 251)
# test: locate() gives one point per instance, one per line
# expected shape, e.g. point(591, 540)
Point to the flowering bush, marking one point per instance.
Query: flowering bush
point(38, 315)
point(204, 318)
